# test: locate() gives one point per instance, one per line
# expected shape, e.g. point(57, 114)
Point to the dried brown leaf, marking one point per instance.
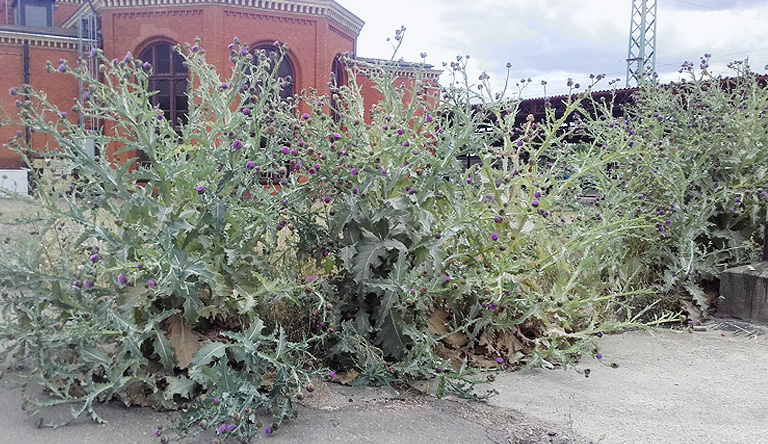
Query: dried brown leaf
point(437, 325)
point(346, 378)
point(184, 340)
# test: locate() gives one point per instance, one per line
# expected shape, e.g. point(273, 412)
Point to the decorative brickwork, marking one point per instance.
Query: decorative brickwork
point(315, 31)
point(37, 40)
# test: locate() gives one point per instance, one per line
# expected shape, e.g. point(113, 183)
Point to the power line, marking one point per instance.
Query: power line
point(719, 10)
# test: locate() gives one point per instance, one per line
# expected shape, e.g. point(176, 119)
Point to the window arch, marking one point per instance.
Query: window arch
point(169, 79)
point(338, 78)
point(285, 71)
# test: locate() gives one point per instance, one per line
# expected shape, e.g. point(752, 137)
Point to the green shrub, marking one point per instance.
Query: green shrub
point(700, 174)
point(266, 243)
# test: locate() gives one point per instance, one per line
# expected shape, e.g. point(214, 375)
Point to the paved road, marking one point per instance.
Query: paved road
point(671, 387)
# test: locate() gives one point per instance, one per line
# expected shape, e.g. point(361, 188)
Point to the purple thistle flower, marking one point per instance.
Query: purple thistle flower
point(12, 91)
point(276, 43)
point(535, 203)
point(268, 430)
point(217, 400)
point(94, 52)
point(160, 117)
point(447, 278)
point(138, 266)
point(383, 171)
point(195, 48)
point(400, 132)
point(87, 284)
point(231, 427)
point(62, 68)
point(221, 429)
point(146, 66)
point(224, 85)
point(354, 171)
point(94, 257)
point(236, 145)
point(500, 360)
point(151, 283)
point(76, 284)
point(128, 57)
point(599, 356)
point(246, 111)
point(121, 279)
point(332, 374)
point(86, 96)
point(243, 52)
point(249, 165)
point(312, 171)
point(494, 236)
point(336, 136)
point(305, 116)
point(285, 150)
point(200, 189)
point(429, 118)
point(537, 195)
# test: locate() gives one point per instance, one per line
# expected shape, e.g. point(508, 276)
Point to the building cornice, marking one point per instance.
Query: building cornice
point(41, 40)
point(399, 68)
point(312, 8)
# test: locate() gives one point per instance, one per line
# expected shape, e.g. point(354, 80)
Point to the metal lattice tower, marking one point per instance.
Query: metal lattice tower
point(641, 57)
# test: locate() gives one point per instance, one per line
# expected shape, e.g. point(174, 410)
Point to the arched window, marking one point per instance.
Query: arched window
point(285, 70)
point(338, 78)
point(337, 71)
point(169, 79)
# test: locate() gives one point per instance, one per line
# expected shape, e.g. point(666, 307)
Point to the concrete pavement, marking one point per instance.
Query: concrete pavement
point(671, 387)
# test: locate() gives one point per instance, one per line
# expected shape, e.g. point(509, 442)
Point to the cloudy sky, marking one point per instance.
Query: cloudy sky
point(553, 40)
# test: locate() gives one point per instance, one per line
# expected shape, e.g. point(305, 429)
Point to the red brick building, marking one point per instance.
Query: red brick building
point(35, 31)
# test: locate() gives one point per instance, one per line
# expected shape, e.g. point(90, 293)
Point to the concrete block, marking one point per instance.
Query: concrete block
point(744, 293)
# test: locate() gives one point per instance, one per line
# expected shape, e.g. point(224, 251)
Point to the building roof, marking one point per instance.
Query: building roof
point(405, 69)
point(318, 8)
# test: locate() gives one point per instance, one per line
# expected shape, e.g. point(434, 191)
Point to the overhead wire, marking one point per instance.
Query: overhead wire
point(719, 10)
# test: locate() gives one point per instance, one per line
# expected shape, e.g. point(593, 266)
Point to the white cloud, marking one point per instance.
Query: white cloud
point(556, 40)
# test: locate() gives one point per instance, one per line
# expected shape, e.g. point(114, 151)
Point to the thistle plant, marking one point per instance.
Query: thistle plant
point(265, 243)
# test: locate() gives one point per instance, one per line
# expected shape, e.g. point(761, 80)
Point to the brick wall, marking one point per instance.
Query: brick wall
point(60, 89)
point(314, 40)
